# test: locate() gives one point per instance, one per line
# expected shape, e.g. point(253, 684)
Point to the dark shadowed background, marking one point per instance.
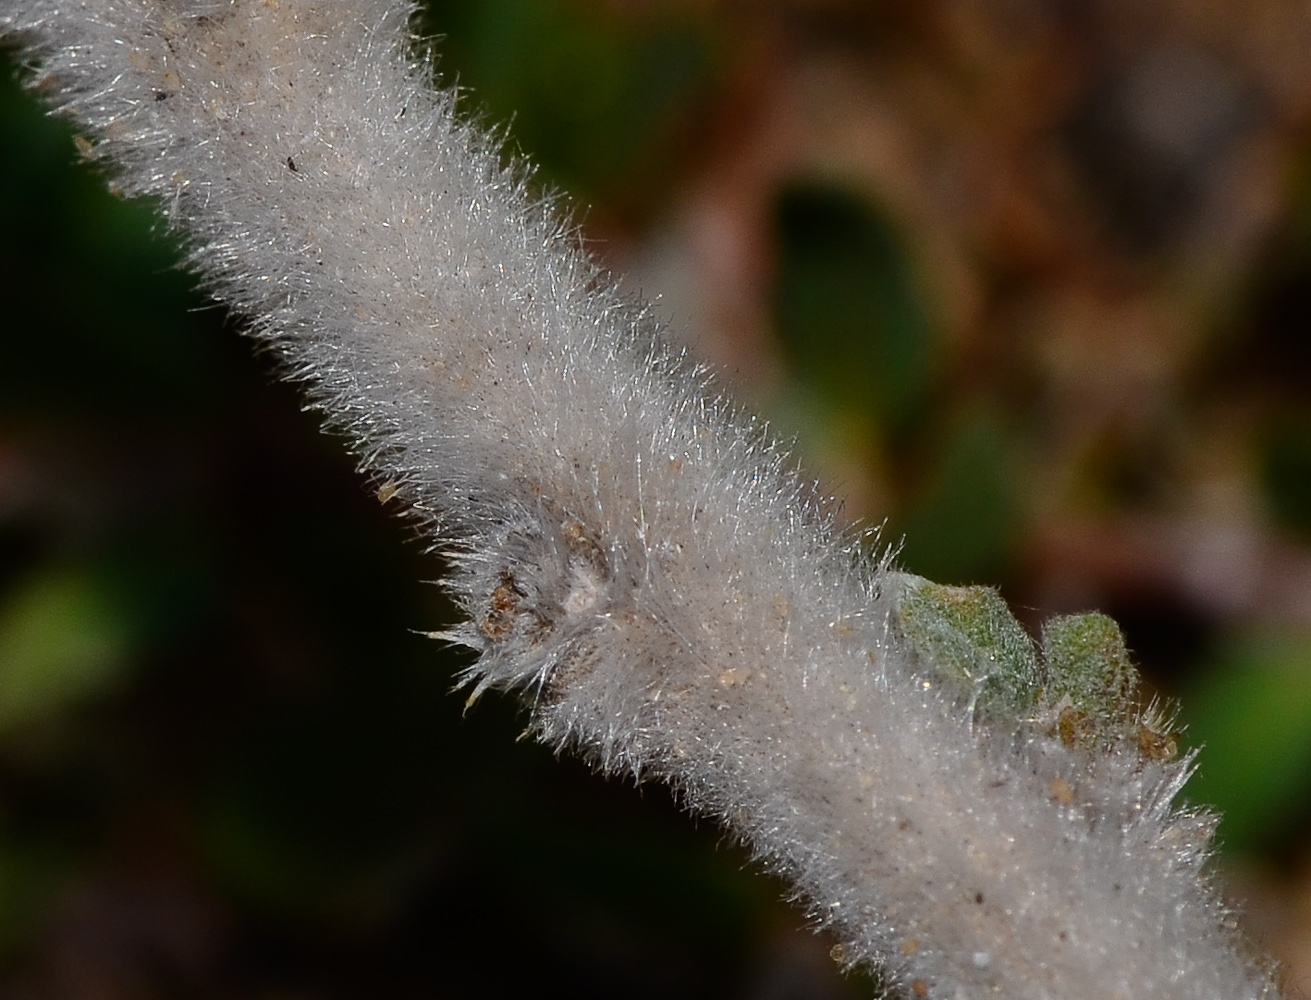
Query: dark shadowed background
point(1029, 281)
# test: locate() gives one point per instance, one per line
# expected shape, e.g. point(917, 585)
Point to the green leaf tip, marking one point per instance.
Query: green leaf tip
point(1088, 662)
point(968, 638)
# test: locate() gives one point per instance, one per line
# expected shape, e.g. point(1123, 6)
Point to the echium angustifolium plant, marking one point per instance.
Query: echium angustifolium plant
point(968, 814)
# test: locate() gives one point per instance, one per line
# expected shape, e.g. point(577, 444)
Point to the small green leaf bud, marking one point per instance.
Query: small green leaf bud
point(1087, 661)
point(968, 638)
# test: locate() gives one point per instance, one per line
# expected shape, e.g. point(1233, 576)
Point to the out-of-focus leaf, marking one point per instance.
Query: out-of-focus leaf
point(1252, 713)
point(848, 308)
point(592, 93)
point(29, 878)
point(115, 323)
point(964, 523)
point(1286, 473)
point(63, 638)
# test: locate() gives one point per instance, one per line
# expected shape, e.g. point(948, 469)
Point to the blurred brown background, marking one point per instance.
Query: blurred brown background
point(1029, 281)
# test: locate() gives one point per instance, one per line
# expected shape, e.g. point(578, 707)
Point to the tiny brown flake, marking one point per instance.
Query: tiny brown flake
point(578, 540)
point(1156, 746)
point(910, 946)
point(1074, 726)
point(499, 620)
point(919, 988)
point(1061, 791)
point(388, 490)
point(734, 677)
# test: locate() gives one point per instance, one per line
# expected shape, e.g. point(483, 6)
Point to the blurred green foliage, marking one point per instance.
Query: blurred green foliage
point(598, 94)
point(1286, 471)
point(965, 522)
point(1251, 712)
point(847, 305)
point(864, 353)
point(63, 638)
